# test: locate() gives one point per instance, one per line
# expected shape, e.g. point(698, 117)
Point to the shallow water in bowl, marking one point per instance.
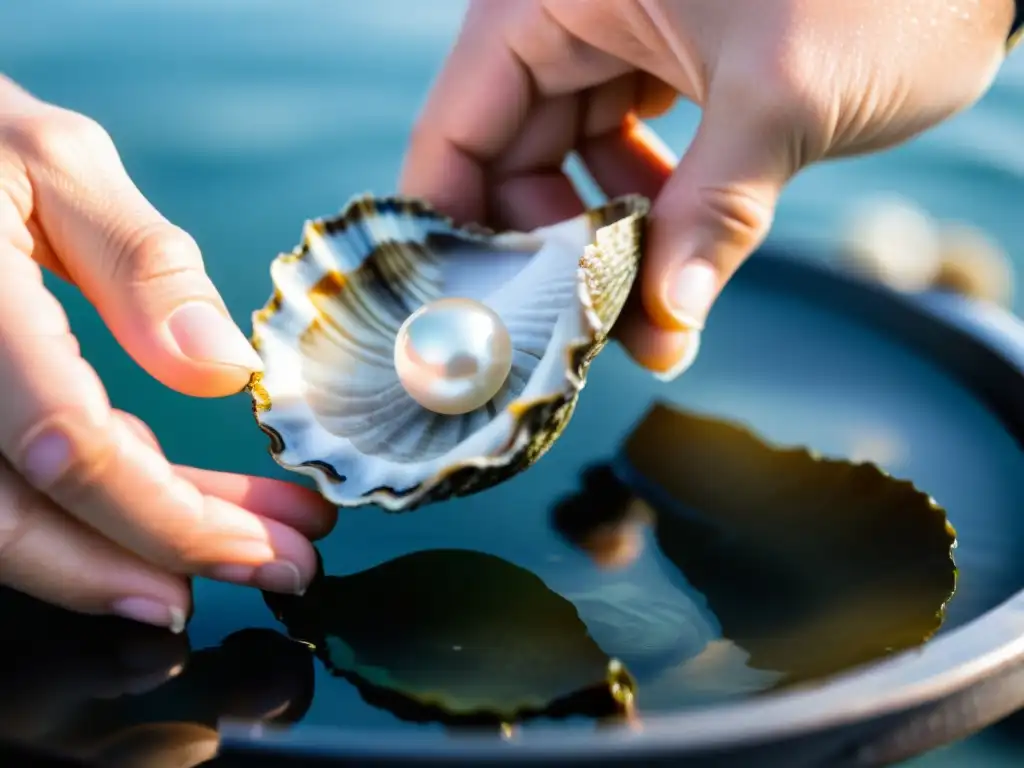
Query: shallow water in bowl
point(721, 568)
point(806, 378)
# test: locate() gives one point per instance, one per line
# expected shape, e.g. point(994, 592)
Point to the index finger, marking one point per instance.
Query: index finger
point(57, 429)
point(476, 106)
point(507, 57)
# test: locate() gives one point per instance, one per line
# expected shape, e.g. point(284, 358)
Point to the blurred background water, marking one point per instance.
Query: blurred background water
point(241, 118)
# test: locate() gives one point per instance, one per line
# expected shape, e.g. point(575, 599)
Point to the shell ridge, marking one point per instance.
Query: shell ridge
point(371, 411)
point(383, 276)
point(365, 305)
point(385, 439)
point(290, 297)
point(335, 339)
point(325, 252)
point(354, 393)
point(348, 316)
point(481, 450)
point(356, 397)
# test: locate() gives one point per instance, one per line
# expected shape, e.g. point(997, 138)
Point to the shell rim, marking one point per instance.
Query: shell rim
point(579, 353)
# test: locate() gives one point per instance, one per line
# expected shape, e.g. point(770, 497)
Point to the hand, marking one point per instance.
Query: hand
point(93, 517)
point(781, 83)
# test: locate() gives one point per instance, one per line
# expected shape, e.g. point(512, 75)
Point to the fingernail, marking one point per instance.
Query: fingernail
point(149, 611)
point(46, 458)
point(278, 576)
point(691, 293)
point(205, 334)
point(690, 350)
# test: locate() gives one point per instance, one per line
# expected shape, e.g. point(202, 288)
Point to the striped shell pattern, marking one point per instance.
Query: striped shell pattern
point(329, 397)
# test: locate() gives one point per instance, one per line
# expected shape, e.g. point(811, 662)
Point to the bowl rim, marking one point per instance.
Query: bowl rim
point(946, 665)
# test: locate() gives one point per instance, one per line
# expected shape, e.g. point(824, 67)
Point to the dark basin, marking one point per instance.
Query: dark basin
point(926, 387)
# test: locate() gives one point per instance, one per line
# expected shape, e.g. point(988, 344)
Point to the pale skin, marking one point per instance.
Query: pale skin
point(781, 84)
point(93, 516)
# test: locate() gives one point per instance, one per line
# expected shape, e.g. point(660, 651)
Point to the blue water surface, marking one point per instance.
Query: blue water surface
point(241, 118)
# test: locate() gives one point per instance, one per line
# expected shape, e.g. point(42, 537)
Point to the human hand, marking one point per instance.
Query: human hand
point(781, 83)
point(93, 517)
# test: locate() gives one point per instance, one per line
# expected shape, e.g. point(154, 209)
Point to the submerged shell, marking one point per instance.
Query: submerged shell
point(457, 636)
point(330, 398)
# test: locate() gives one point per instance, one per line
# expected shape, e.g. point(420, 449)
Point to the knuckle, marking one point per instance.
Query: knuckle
point(58, 136)
point(19, 508)
point(740, 216)
point(792, 85)
point(183, 555)
point(155, 253)
point(77, 452)
point(783, 99)
point(785, 102)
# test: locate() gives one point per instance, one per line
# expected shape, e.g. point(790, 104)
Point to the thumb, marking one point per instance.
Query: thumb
point(715, 209)
point(144, 275)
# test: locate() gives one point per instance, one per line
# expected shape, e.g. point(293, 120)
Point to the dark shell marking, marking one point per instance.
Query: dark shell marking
point(609, 267)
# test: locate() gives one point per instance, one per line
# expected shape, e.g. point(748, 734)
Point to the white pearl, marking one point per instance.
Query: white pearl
point(453, 355)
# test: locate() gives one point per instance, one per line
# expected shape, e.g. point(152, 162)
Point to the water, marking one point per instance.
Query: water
point(241, 118)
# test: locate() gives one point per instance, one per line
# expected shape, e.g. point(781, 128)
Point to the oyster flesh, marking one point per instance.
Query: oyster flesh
point(336, 396)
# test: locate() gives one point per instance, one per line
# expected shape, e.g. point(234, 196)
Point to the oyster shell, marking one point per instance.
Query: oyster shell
point(330, 397)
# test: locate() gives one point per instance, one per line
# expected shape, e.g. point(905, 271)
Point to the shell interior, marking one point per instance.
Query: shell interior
point(330, 397)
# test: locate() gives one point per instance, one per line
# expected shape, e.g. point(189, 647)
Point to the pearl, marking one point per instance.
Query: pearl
point(453, 355)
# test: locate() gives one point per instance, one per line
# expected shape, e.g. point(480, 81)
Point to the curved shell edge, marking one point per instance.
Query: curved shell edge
point(608, 282)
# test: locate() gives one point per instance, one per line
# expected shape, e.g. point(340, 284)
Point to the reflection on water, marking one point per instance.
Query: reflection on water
point(130, 696)
point(745, 568)
point(809, 566)
point(687, 635)
point(456, 636)
point(793, 568)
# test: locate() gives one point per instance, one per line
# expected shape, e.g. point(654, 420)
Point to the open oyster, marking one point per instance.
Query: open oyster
point(360, 397)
